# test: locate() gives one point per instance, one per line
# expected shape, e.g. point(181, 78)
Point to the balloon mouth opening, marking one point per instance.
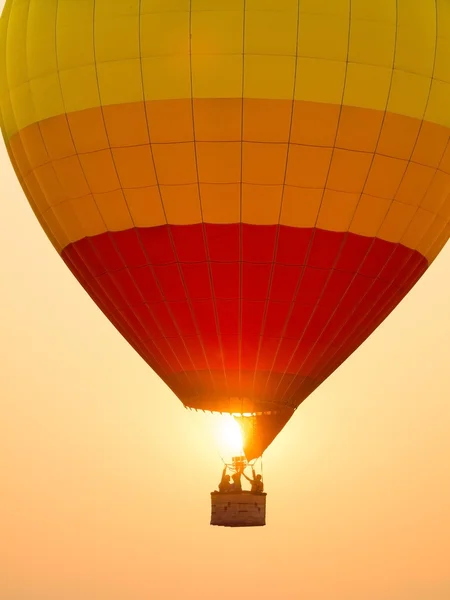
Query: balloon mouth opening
point(257, 428)
point(236, 414)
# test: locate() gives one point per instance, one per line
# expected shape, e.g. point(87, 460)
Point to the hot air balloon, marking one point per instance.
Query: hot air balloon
point(245, 188)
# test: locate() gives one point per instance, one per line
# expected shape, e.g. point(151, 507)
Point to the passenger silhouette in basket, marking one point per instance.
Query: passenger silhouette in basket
point(256, 482)
point(225, 483)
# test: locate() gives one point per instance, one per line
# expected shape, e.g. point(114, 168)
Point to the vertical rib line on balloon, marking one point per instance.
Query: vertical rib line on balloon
point(382, 312)
point(277, 234)
point(310, 350)
point(94, 250)
point(440, 242)
point(205, 239)
point(142, 246)
point(365, 295)
point(404, 265)
point(355, 333)
point(375, 304)
point(112, 317)
point(172, 242)
point(311, 241)
point(111, 238)
point(31, 200)
point(241, 229)
point(42, 138)
point(13, 113)
point(339, 253)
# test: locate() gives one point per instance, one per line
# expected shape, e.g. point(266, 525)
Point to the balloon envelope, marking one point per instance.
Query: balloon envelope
point(245, 189)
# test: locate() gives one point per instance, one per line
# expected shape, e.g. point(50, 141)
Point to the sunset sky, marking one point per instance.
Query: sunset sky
point(105, 477)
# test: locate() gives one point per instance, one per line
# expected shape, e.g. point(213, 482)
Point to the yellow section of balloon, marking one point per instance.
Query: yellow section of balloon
point(360, 53)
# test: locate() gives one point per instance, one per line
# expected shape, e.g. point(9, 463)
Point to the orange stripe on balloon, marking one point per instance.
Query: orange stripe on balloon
point(300, 164)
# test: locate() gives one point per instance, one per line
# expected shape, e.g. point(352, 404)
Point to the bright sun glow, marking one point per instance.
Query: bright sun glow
point(228, 436)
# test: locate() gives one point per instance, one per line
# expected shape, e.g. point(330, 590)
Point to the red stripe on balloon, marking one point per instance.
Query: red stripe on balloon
point(301, 302)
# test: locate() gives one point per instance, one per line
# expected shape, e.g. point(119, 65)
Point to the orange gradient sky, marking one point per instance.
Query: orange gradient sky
point(105, 477)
